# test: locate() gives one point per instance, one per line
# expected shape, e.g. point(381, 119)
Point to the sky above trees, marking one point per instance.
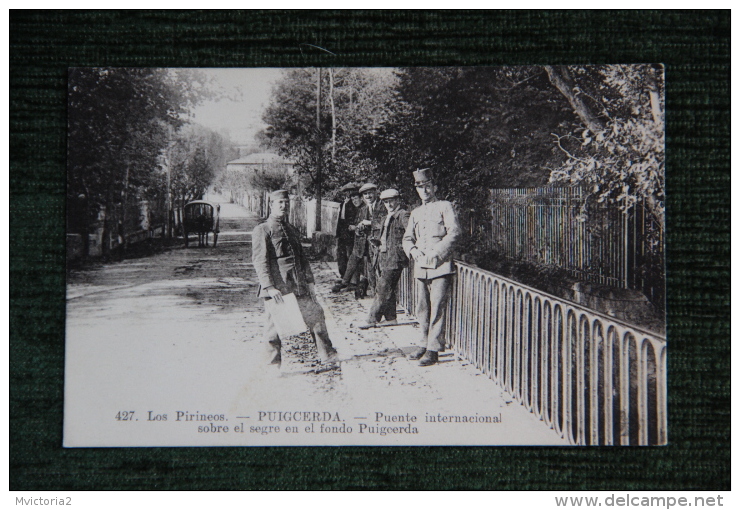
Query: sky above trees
point(243, 94)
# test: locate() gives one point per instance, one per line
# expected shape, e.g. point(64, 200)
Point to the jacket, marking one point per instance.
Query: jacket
point(343, 232)
point(433, 228)
point(278, 258)
point(392, 256)
point(359, 248)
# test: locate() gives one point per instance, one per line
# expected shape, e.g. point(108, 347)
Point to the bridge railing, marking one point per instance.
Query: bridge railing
point(593, 379)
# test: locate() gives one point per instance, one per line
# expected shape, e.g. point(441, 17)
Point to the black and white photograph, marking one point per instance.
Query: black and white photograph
point(335, 256)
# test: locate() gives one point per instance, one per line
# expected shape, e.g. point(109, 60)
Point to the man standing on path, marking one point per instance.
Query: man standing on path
point(368, 215)
point(389, 261)
point(430, 239)
point(346, 225)
point(282, 268)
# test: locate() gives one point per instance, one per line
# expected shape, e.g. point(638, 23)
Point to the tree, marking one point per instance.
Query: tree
point(354, 103)
point(119, 121)
point(620, 158)
point(476, 127)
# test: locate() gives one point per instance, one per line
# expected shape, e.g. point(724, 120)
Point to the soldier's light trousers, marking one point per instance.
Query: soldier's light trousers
point(433, 295)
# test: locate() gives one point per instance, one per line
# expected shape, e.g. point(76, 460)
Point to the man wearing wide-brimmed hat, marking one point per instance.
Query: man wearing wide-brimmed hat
point(389, 259)
point(282, 268)
point(430, 240)
point(346, 225)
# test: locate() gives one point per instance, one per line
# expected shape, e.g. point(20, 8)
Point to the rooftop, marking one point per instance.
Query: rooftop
point(259, 158)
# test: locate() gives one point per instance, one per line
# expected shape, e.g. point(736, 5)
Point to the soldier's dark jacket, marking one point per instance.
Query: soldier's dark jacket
point(278, 258)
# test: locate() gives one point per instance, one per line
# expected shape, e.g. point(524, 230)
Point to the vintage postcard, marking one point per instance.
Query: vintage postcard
point(366, 256)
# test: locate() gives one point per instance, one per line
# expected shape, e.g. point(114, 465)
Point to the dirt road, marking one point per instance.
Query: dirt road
point(178, 334)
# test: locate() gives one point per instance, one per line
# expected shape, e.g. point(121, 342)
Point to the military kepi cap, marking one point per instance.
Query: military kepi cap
point(367, 187)
point(279, 194)
point(423, 175)
point(389, 193)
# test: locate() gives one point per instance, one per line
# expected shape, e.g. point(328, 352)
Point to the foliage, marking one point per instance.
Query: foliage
point(120, 120)
point(354, 102)
point(194, 156)
point(624, 163)
point(477, 128)
point(270, 178)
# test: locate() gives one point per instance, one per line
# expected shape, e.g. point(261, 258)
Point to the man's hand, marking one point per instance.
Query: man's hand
point(312, 292)
point(417, 254)
point(275, 294)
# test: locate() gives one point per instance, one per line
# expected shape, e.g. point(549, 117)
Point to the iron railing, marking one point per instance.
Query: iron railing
point(593, 379)
point(547, 226)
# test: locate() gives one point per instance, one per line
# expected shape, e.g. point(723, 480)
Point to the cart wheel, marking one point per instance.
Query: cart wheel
point(215, 238)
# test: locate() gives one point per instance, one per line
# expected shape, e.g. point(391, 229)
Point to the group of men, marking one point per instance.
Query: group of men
point(376, 237)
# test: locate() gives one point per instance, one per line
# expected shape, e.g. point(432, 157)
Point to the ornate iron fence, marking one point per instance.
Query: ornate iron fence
point(593, 379)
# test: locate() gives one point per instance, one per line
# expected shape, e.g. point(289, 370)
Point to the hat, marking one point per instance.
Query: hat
point(423, 175)
point(350, 186)
point(389, 193)
point(279, 194)
point(367, 187)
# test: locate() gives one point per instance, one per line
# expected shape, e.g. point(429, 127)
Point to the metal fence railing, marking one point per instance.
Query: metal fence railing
point(598, 243)
point(591, 378)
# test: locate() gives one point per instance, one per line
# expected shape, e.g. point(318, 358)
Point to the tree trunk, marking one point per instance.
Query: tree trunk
point(124, 203)
point(655, 106)
point(86, 226)
point(319, 162)
point(561, 79)
point(105, 238)
point(333, 118)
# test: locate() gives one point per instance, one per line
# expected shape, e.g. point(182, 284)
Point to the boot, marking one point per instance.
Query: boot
point(417, 353)
point(338, 287)
point(331, 356)
point(429, 358)
point(361, 290)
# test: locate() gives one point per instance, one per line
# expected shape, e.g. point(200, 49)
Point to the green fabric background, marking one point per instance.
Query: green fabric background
point(694, 46)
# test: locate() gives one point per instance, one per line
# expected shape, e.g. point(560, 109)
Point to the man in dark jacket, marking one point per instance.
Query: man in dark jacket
point(365, 221)
point(282, 268)
point(346, 225)
point(389, 261)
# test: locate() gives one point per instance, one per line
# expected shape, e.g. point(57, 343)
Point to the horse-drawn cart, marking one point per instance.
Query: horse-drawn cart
point(201, 218)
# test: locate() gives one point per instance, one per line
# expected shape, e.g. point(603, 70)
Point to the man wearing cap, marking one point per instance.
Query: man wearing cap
point(346, 225)
point(389, 260)
point(367, 219)
point(282, 268)
point(430, 240)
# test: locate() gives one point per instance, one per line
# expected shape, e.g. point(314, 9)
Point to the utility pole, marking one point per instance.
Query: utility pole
point(319, 159)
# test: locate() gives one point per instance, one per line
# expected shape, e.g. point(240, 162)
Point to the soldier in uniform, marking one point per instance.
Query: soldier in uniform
point(282, 268)
point(430, 240)
point(389, 260)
